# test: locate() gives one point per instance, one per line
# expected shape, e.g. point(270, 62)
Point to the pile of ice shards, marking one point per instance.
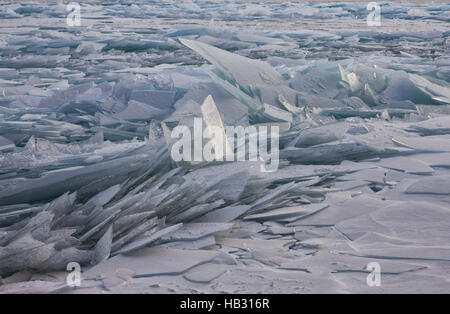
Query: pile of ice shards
point(86, 173)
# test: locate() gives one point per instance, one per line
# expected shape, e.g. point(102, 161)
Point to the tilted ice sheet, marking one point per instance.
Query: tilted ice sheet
point(86, 174)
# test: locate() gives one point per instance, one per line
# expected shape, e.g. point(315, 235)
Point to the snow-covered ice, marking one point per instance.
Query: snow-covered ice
point(86, 173)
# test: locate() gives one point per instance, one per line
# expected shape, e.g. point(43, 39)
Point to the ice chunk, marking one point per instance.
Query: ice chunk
point(103, 248)
point(342, 211)
point(212, 120)
point(154, 261)
point(436, 92)
point(145, 240)
point(433, 185)
point(287, 214)
point(246, 72)
point(139, 111)
point(195, 231)
point(24, 253)
point(225, 214)
point(408, 165)
point(429, 143)
point(6, 145)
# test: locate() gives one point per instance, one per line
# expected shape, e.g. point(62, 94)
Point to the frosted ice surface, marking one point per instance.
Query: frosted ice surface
point(86, 174)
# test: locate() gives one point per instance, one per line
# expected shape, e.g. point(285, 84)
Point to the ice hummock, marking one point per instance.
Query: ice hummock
point(86, 174)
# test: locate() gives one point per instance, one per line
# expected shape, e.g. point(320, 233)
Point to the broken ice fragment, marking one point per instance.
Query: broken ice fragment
point(246, 72)
point(6, 145)
point(103, 248)
point(213, 121)
point(145, 240)
point(433, 185)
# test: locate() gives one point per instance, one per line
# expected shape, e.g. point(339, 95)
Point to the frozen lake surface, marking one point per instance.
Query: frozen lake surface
point(87, 176)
